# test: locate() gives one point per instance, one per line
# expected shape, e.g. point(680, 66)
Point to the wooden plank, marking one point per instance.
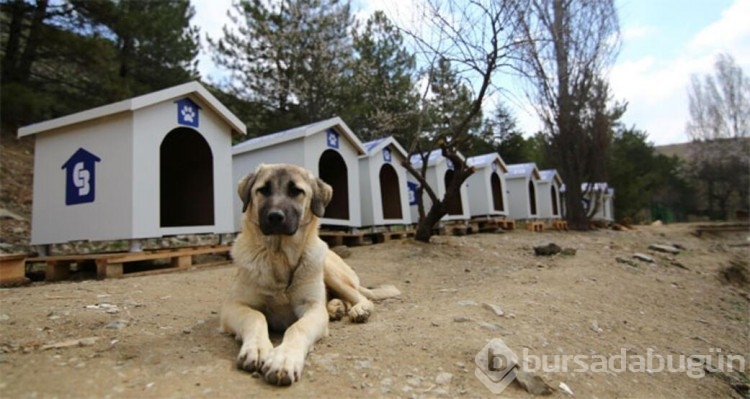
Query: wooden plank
point(13, 269)
point(151, 255)
point(57, 270)
point(182, 262)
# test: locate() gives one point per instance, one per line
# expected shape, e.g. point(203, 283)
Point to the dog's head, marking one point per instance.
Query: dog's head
point(280, 197)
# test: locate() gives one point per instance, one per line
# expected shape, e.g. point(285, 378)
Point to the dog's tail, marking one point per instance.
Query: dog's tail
point(379, 293)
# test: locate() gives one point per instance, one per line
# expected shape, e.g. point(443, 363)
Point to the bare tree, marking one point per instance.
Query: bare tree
point(719, 126)
point(567, 46)
point(479, 38)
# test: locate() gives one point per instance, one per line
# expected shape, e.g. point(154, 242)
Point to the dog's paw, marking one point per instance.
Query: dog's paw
point(252, 353)
point(283, 366)
point(336, 309)
point(360, 312)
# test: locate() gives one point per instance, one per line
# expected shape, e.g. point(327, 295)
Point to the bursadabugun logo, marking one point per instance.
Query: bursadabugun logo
point(496, 365)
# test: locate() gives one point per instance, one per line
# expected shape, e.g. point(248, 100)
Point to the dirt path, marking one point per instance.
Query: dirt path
point(157, 336)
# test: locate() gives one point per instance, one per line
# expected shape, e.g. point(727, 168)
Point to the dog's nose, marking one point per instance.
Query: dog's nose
point(276, 217)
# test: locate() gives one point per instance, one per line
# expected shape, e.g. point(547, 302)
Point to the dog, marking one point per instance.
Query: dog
point(285, 272)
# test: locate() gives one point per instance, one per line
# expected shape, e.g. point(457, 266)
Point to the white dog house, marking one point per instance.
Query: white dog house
point(154, 165)
point(328, 148)
point(439, 174)
point(383, 189)
point(601, 196)
point(486, 187)
point(521, 180)
point(549, 200)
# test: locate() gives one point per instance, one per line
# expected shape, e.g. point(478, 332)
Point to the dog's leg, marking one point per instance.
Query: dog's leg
point(251, 327)
point(283, 366)
point(346, 288)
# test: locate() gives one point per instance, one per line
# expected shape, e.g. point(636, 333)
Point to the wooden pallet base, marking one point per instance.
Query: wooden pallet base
point(116, 265)
point(488, 225)
point(385, 236)
point(560, 225)
point(535, 226)
point(13, 270)
point(350, 239)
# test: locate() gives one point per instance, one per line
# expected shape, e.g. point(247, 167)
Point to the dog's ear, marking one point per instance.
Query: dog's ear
point(321, 196)
point(245, 189)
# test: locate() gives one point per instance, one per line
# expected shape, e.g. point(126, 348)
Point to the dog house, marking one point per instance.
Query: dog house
point(601, 196)
point(521, 180)
point(549, 199)
point(327, 148)
point(154, 165)
point(383, 188)
point(486, 187)
point(439, 174)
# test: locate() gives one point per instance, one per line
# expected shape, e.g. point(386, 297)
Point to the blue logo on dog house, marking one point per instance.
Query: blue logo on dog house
point(188, 112)
point(387, 155)
point(332, 138)
point(80, 177)
point(412, 189)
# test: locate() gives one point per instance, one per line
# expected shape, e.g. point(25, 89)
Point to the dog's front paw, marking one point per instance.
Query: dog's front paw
point(283, 366)
point(336, 309)
point(252, 354)
point(360, 312)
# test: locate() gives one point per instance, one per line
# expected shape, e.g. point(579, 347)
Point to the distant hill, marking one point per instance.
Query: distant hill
point(680, 150)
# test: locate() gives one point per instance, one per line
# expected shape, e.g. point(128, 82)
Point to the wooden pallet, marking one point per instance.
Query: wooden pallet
point(348, 238)
point(113, 265)
point(560, 225)
point(13, 270)
point(535, 226)
point(385, 236)
point(721, 228)
point(492, 224)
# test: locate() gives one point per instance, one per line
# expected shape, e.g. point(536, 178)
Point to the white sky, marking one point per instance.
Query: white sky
point(664, 42)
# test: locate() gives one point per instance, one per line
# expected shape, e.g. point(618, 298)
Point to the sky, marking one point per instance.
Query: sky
point(664, 42)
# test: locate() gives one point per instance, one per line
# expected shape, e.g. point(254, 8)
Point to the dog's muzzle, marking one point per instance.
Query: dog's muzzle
point(278, 222)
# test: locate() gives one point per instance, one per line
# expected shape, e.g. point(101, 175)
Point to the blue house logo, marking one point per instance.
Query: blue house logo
point(332, 138)
point(387, 155)
point(80, 177)
point(188, 112)
point(412, 189)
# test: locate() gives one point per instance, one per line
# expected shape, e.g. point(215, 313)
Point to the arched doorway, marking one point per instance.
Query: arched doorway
point(186, 184)
point(390, 195)
point(497, 192)
point(555, 199)
point(332, 170)
point(532, 197)
point(455, 207)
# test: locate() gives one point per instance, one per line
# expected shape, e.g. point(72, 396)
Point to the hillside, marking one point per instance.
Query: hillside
point(16, 182)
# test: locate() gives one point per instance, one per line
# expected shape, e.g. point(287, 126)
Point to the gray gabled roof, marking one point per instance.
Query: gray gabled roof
point(132, 104)
point(434, 157)
point(485, 160)
point(525, 170)
point(298, 132)
point(374, 146)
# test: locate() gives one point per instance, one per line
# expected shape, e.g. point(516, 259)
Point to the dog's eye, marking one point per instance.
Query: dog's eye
point(265, 190)
point(295, 191)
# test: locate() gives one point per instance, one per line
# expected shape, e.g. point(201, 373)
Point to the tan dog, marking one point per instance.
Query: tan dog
point(283, 272)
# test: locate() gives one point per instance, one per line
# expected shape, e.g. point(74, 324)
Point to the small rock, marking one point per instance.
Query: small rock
point(494, 309)
point(678, 264)
point(533, 383)
point(435, 324)
point(461, 319)
point(569, 251)
point(467, 302)
point(443, 378)
point(626, 261)
point(664, 248)
point(565, 388)
point(460, 365)
point(547, 250)
point(657, 223)
point(595, 327)
point(187, 330)
point(643, 257)
point(414, 381)
point(4, 317)
point(342, 250)
point(489, 326)
point(117, 325)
